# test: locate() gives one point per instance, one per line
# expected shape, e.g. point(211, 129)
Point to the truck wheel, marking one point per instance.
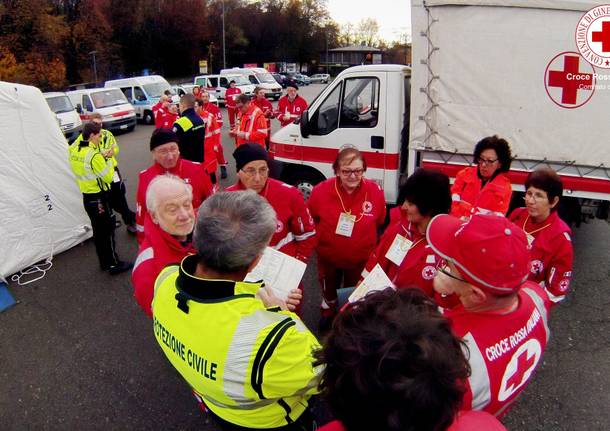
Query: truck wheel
point(148, 117)
point(304, 181)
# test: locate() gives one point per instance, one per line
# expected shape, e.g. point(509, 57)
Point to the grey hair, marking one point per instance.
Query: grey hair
point(161, 180)
point(232, 230)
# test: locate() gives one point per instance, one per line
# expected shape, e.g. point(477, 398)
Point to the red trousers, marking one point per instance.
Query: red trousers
point(232, 114)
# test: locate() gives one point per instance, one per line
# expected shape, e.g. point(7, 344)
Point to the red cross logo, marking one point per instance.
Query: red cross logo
point(537, 266)
point(566, 83)
point(602, 36)
point(520, 368)
point(428, 272)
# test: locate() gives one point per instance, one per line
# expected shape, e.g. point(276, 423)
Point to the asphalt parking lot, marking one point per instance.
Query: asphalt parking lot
point(76, 352)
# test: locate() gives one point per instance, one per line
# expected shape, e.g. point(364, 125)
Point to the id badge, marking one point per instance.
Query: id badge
point(398, 250)
point(345, 226)
point(530, 239)
point(115, 177)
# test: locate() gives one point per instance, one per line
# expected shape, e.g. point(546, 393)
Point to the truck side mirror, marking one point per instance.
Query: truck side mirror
point(79, 108)
point(305, 124)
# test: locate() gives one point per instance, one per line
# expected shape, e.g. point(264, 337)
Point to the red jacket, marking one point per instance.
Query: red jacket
point(294, 108)
point(159, 112)
point(211, 142)
point(230, 96)
point(190, 172)
point(505, 349)
point(552, 254)
point(295, 231)
point(215, 110)
point(165, 119)
point(469, 197)
point(267, 108)
point(418, 267)
point(366, 203)
point(158, 250)
point(252, 127)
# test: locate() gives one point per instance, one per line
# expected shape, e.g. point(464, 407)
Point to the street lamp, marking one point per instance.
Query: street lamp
point(224, 53)
point(92, 53)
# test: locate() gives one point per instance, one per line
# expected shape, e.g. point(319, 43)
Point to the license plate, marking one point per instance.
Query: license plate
point(124, 126)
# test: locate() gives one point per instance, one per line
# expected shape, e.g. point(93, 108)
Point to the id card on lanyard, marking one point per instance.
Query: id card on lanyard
point(345, 225)
point(398, 250)
point(530, 239)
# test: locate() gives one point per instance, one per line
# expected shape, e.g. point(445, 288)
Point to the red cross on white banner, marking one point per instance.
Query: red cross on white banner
point(569, 82)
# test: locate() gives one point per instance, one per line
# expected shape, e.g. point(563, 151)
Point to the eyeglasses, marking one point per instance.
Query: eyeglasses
point(355, 172)
point(164, 153)
point(444, 268)
point(486, 162)
point(535, 196)
point(251, 172)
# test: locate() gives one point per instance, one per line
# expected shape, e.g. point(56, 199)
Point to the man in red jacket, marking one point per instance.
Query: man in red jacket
point(169, 201)
point(231, 102)
point(260, 100)
point(219, 150)
point(502, 317)
point(159, 109)
point(166, 156)
point(291, 106)
point(252, 123)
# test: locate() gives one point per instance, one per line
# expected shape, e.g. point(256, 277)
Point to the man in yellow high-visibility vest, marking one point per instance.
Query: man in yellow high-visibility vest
point(94, 174)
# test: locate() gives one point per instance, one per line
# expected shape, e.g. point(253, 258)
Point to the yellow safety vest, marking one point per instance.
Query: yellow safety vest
point(93, 173)
point(107, 141)
point(251, 366)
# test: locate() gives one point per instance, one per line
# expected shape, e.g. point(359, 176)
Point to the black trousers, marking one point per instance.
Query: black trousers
point(97, 206)
point(118, 200)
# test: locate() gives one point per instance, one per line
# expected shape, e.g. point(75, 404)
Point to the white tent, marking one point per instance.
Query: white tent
point(41, 209)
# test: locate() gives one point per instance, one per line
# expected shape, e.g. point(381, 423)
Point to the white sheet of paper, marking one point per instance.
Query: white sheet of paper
point(377, 279)
point(279, 271)
point(398, 250)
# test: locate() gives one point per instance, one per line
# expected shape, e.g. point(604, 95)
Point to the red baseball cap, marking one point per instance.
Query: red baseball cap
point(489, 251)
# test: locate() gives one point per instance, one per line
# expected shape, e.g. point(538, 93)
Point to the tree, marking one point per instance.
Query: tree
point(367, 32)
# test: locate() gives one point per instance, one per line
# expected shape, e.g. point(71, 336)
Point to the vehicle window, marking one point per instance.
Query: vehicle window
point(108, 97)
point(138, 94)
point(199, 81)
point(87, 106)
point(213, 82)
point(326, 118)
point(253, 79)
point(60, 104)
point(156, 89)
point(224, 82)
point(360, 106)
point(127, 92)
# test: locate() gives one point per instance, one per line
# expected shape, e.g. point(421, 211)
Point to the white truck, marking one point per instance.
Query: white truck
point(218, 84)
point(117, 113)
point(68, 119)
point(260, 78)
point(505, 67)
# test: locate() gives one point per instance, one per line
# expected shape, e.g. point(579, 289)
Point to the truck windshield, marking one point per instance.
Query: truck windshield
point(155, 89)
point(239, 79)
point(265, 78)
point(60, 104)
point(106, 98)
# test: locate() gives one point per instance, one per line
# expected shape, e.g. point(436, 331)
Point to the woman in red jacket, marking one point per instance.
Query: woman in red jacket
point(550, 238)
point(484, 188)
point(403, 252)
point(347, 210)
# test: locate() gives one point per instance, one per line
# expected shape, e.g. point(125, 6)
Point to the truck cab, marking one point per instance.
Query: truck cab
point(67, 117)
point(258, 77)
point(364, 107)
point(143, 92)
point(117, 113)
point(217, 84)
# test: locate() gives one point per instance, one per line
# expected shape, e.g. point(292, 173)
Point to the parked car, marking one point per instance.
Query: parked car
point(280, 79)
point(187, 88)
point(299, 78)
point(67, 117)
point(258, 77)
point(320, 77)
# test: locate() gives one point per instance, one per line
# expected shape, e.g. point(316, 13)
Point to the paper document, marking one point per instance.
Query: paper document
point(279, 271)
point(377, 279)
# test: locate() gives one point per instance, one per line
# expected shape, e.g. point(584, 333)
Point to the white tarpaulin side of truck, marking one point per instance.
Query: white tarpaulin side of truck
point(479, 70)
point(41, 208)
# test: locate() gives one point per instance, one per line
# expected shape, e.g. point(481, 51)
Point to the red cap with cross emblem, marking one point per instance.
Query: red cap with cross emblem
point(489, 251)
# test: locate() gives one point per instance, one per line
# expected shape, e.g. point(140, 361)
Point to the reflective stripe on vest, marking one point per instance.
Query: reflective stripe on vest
point(81, 159)
point(479, 378)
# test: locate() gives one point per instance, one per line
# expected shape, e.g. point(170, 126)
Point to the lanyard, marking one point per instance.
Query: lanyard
point(535, 230)
point(408, 231)
point(343, 206)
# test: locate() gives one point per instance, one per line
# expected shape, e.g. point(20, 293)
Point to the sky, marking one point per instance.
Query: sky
point(393, 16)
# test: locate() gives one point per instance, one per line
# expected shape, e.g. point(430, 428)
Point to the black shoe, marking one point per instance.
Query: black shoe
point(120, 267)
point(223, 172)
point(132, 229)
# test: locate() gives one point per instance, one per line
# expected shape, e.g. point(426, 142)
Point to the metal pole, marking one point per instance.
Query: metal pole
point(92, 53)
point(326, 51)
point(224, 53)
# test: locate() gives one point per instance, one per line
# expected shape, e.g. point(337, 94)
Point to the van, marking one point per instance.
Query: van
point(143, 92)
point(117, 113)
point(67, 117)
point(260, 78)
point(218, 84)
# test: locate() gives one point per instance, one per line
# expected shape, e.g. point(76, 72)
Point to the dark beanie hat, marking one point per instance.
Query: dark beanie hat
point(162, 136)
point(247, 153)
point(293, 85)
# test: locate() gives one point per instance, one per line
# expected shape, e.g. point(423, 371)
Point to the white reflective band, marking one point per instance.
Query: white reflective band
point(164, 274)
point(286, 240)
point(147, 253)
point(364, 273)
point(304, 236)
point(456, 198)
point(139, 228)
point(479, 378)
point(539, 303)
point(554, 299)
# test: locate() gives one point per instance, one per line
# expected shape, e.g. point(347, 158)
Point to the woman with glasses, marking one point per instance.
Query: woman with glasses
point(548, 235)
point(403, 252)
point(347, 210)
point(295, 231)
point(485, 187)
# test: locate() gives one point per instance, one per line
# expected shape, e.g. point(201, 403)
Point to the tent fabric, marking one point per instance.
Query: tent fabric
point(41, 209)
point(578, 5)
point(486, 76)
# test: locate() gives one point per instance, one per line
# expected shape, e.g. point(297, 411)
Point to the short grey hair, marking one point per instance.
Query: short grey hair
point(152, 200)
point(232, 230)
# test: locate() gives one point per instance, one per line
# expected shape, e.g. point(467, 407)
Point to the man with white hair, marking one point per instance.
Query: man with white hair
point(247, 358)
point(167, 232)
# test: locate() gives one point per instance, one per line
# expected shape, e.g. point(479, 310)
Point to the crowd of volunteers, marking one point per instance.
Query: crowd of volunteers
point(449, 345)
